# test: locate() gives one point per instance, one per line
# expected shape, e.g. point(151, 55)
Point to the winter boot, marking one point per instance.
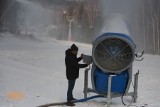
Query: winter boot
point(70, 103)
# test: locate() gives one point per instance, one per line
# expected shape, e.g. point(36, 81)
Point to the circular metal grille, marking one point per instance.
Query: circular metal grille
point(113, 54)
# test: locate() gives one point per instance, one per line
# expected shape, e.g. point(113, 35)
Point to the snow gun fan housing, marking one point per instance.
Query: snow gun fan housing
point(113, 53)
point(113, 50)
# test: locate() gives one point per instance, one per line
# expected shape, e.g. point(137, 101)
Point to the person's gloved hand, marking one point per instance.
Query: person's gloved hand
point(82, 55)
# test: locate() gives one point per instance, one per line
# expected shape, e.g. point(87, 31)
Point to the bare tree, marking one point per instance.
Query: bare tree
point(143, 21)
point(91, 9)
point(158, 32)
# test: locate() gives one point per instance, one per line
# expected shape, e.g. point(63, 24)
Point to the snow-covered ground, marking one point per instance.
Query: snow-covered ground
point(33, 73)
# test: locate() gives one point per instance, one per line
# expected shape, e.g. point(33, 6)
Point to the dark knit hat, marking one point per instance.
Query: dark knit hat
point(74, 47)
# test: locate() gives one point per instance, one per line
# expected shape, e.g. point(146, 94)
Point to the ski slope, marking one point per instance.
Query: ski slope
point(32, 73)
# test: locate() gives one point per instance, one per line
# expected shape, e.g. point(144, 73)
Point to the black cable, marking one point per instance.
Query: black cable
point(126, 104)
point(122, 98)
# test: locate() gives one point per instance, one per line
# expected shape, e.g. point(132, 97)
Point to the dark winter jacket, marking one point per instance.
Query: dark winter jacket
point(72, 65)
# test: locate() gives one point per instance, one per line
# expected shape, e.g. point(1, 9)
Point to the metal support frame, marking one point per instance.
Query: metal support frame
point(135, 95)
point(109, 95)
point(109, 90)
point(86, 83)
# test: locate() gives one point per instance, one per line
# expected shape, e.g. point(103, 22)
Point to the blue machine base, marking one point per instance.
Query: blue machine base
point(118, 84)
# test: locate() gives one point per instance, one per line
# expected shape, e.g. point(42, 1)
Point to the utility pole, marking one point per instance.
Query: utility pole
point(70, 19)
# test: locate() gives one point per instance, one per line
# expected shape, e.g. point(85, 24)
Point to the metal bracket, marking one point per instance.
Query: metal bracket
point(139, 55)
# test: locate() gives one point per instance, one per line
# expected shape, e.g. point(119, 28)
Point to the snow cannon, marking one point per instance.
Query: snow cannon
point(112, 58)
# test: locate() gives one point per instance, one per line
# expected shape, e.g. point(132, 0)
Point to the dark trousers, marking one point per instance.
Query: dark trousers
point(71, 84)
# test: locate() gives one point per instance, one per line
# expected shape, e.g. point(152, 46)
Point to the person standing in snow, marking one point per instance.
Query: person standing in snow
point(72, 70)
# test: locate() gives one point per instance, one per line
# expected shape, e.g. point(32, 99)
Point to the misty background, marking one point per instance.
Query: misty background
point(81, 20)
